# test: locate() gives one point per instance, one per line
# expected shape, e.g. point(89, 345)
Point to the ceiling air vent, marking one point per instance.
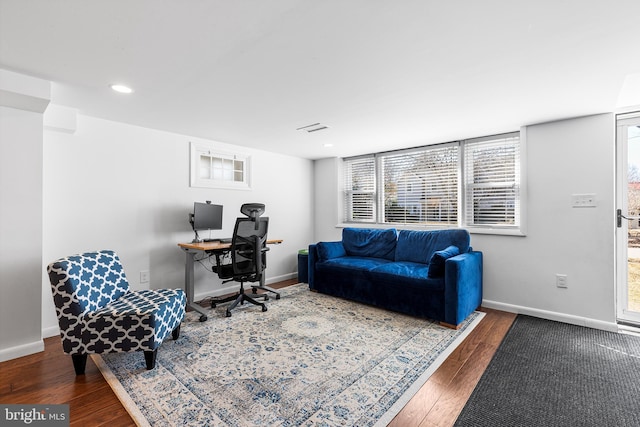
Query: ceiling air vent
point(313, 128)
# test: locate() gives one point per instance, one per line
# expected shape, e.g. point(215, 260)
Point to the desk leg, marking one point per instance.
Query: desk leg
point(189, 267)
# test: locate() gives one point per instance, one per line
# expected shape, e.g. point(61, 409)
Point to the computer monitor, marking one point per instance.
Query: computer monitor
point(205, 216)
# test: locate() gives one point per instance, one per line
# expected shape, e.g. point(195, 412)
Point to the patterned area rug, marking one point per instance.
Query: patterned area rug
point(311, 359)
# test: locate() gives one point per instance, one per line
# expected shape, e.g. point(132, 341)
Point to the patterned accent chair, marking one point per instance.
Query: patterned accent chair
point(98, 313)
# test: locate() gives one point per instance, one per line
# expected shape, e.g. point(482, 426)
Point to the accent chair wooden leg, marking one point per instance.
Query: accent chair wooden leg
point(150, 358)
point(175, 334)
point(79, 363)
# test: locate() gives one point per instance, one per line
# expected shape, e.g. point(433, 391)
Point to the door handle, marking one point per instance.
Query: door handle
point(619, 217)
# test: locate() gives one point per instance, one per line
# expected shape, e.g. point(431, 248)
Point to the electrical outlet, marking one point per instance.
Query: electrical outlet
point(144, 276)
point(561, 280)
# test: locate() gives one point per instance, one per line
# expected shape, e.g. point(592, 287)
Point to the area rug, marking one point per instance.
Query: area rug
point(311, 359)
point(554, 374)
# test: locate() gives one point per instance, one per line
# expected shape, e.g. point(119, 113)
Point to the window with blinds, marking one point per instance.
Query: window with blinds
point(470, 183)
point(421, 186)
point(492, 181)
point(360, 189)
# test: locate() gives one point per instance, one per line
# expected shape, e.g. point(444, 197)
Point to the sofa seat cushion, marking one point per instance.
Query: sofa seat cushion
point(409, 273)
point(351, 263)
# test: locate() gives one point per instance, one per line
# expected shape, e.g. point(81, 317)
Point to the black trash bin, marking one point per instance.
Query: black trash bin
point(303, 265)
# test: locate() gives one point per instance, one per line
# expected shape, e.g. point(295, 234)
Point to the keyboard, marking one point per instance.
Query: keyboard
point(228, 240)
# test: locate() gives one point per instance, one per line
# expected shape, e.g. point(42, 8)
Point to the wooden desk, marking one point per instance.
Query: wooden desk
point(217, 245)
point(191, 249)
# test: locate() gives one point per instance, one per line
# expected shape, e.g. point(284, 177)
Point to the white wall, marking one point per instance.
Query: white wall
point(115, 186)
point(563, 158)
point(22, 102)
point(328, 205)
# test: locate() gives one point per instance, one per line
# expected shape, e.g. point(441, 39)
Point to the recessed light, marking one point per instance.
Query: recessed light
point(121, 88)
point(328, 145)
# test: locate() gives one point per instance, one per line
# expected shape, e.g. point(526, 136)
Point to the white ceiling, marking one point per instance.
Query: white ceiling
point(380, 74)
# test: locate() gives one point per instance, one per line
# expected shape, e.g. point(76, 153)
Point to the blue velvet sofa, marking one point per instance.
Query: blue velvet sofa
point(431, 274)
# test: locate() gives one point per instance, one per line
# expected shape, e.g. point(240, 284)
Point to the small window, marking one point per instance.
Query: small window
point(213, 168)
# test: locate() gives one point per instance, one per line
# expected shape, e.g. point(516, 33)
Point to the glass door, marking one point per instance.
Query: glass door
point(628, 218)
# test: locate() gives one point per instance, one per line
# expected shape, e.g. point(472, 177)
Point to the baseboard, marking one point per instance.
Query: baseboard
point(281, 278)
point(51, 331)
point(552, 315)
point(21, 350)
point(233, 286)
point(630, 330)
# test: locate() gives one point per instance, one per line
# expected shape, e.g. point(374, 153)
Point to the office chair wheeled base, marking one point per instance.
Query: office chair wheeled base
point(254, 288)
point(240, 298)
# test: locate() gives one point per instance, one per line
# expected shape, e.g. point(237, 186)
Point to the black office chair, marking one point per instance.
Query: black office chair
point(248, 257)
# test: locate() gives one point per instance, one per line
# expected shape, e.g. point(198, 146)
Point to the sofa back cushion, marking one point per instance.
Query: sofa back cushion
point(419, 246)
point(368, 242)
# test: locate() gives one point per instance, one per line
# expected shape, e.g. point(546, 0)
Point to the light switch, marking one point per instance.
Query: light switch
point(583, 200)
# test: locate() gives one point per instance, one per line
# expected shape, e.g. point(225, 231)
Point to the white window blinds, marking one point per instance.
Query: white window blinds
point(360, 189)
point(421, 186)
point(492, 181)
point(472, 183)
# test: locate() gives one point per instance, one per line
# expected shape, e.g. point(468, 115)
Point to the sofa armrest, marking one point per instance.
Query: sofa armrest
point(323, 251)
point(462, 286)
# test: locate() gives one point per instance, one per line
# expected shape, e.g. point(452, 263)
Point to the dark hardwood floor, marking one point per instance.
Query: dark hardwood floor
point(48, 378)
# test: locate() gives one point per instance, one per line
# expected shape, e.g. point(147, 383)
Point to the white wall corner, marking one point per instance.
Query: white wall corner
point(50, 331)
point(24, 92)
point(61, 119)
point(629, 95)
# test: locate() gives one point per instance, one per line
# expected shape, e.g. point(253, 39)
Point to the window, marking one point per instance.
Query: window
point(492, 181)
point(218, 169)
point(420, 186)
point(472, 183)
point(361, 189)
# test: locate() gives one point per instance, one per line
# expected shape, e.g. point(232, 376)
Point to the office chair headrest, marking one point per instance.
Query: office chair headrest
point(252, 210)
